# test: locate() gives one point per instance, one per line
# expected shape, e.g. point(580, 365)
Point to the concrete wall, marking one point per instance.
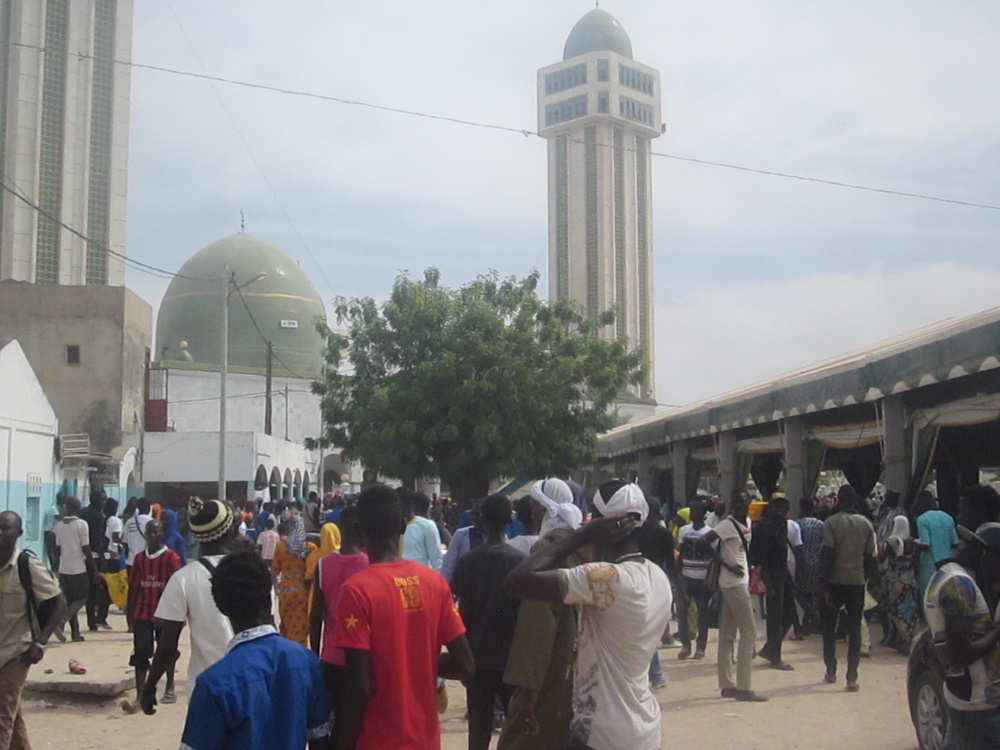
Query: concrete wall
point(193, 404)
point(103, 395)
point(194, 457)
point(28, 429)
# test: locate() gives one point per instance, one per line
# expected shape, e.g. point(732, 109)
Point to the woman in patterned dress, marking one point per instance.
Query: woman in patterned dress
point(289, 570)
point(900, 581)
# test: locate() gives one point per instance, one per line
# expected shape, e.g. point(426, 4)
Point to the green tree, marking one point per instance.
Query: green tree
point(470, 385)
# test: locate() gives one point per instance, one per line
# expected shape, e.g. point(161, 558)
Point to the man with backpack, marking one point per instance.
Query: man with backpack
point(29, 595)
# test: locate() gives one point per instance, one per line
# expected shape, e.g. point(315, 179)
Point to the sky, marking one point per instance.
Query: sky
point(755, 274)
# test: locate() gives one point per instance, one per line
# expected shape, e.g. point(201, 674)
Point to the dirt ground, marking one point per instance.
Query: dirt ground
point(803, 711)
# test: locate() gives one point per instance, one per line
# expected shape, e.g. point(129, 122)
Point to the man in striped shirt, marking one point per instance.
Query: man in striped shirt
point(147, 578)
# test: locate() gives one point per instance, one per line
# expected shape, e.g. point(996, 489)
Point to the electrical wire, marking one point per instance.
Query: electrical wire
point(264, 338)
point(520, 131)
point(138, 265)
point(236, 395)
point(253, 158)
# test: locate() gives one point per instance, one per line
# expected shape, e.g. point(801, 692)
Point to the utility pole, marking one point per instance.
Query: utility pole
point(286, 411)
point(267, 397)
point(223, 374)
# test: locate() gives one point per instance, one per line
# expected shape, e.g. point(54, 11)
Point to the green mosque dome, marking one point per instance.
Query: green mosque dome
point(282, 303)
point(595, 32)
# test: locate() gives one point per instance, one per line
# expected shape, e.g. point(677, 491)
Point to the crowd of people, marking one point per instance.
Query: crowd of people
point(550, 610)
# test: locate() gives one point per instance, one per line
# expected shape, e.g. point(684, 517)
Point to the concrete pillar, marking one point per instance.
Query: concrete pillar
point(795, 456)
point(896, 471)
point(645, 471)
point(679, 454)
point(727, 465)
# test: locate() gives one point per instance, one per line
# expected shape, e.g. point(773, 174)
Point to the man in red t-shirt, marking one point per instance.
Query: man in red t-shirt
point(146, 580)
point(392, 620)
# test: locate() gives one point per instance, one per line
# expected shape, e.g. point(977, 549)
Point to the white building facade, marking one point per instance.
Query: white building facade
point(599, 110)
point(29, 476)
point(64, 111)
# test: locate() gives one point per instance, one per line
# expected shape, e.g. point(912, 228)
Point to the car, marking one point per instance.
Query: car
point(925, 691)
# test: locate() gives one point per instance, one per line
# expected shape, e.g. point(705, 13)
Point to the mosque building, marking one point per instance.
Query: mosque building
point(599, 109)
point(274, 354)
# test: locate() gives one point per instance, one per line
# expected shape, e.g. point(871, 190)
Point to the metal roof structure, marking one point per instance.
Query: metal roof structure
point(948, 350)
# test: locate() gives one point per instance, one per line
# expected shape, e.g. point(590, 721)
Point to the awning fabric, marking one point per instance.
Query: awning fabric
point(965, 411)
point(948, 350)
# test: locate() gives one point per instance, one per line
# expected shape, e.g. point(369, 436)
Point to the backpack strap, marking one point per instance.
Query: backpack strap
point(24, 574)
point(209, 565)
point(746, 547)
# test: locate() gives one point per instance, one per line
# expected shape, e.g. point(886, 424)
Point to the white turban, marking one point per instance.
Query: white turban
point(557, 498)
point(900, 533)
point(629, 499)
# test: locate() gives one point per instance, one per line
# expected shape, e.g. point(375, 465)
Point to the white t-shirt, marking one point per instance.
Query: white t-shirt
point(135, 536)
point(188, 598)
point(733, 552)
point(114, 527)
point(523, 543)
point(694, 561)
point(794, 540)
point(72, 535)
point(626, 608)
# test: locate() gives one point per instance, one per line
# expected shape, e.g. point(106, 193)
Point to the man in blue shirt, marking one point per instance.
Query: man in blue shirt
point(421, 541)
point(267, 692)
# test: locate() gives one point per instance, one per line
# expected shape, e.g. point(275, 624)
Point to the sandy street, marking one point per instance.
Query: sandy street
point(802, 713)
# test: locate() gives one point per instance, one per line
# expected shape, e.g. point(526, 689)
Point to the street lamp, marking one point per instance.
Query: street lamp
point(228, 287)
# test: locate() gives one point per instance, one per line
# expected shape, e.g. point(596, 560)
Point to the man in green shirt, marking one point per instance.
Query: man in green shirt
point(848, 551)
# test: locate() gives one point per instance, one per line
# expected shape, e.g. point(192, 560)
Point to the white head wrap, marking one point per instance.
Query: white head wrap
point(900, 533)
point(629, 499)
point(557, 498)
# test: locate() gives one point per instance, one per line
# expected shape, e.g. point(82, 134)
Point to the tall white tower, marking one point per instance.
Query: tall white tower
point(599, 110)
point(64, 103)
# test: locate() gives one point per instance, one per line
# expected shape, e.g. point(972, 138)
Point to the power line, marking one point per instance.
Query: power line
point(138, 265)
point(822, 181)
point(236, 395)
point(264, 338)
point(520, 131)
point(253, 158)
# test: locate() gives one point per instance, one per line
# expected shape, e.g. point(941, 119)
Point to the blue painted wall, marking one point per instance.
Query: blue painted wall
point(15, 496)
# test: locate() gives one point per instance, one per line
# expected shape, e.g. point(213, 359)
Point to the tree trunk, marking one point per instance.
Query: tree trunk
point(466, 488)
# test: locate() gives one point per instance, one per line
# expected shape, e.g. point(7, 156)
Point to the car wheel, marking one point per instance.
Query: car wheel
point(930, 717)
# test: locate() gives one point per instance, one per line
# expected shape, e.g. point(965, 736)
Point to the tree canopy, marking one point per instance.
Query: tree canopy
point(471, 384)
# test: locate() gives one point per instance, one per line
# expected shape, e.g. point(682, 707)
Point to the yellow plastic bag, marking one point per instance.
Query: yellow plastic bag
point(117, 587)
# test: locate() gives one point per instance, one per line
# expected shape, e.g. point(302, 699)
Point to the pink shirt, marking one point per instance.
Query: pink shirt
point(333, 570)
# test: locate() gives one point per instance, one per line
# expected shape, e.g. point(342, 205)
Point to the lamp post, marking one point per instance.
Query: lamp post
point(228, 287)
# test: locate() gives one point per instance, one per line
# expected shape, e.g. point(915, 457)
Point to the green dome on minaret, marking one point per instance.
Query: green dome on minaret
point(284, 304)
point(598, 31)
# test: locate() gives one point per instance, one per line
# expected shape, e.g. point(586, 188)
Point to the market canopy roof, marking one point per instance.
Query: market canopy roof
point(947, 350)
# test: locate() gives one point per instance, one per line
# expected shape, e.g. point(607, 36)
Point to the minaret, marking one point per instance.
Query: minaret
point(599, 110)
point(64, 111)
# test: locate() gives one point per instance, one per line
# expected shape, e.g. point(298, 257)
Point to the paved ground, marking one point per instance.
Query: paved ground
point(802, 713)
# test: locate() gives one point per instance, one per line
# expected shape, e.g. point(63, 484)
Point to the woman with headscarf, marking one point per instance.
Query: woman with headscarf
point(329, 542)
point(289, 571)
point(903, 601)
point(172, 538)
point(540, 664)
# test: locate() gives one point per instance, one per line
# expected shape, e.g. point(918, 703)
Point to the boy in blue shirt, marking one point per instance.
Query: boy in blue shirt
point(267, 692)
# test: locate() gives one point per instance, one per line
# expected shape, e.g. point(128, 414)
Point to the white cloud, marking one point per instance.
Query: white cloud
point(755, 275)
point(713, 341)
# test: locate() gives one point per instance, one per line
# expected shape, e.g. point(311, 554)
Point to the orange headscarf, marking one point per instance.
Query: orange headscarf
point(329, 542)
